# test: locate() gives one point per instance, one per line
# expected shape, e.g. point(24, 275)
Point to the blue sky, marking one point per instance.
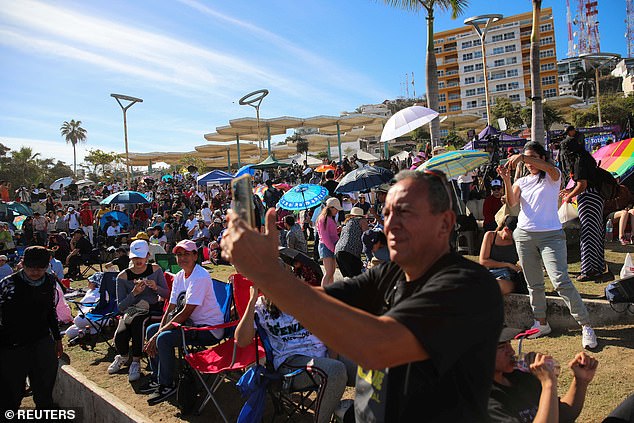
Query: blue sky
point(191, 60)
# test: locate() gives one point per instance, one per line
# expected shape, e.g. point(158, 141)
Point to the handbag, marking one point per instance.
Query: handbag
point(621, 292)
point(567, 212)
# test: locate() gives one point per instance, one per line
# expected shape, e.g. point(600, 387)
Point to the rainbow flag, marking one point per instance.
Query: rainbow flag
point(617, 158)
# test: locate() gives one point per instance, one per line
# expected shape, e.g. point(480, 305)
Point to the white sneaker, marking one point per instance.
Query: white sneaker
point(588, 337)
point(543, 329)
point(116, 365)
point(134, 372)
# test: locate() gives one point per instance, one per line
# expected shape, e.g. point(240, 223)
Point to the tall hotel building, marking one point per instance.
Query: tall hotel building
point(459, 59)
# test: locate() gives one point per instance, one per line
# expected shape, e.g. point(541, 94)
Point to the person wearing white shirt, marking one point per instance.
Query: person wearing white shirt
point(206, 214)
point(72, 217)
point(191, 222)
point(192, 300)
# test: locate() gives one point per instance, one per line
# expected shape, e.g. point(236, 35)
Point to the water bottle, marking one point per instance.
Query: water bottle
point(609, 231)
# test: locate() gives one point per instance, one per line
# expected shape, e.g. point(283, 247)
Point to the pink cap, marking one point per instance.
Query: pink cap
point(186, 245)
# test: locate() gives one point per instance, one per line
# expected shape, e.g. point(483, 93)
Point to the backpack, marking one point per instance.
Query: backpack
point(607, 185)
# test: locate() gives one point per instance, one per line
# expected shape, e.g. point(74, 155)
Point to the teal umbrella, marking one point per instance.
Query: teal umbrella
point(456, 163)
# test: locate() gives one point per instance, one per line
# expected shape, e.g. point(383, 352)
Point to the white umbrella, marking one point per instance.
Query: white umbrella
point(406, 120)
point(65, 181)
point(84, 182)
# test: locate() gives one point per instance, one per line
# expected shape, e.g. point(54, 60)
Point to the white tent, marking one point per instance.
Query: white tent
point(367, 157)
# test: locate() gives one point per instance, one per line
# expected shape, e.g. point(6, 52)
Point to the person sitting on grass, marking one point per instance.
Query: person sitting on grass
point(519, 396)
point(294, 347)
point(138, 290)
point(192, 302)
point(498, 254)
point(121, 262)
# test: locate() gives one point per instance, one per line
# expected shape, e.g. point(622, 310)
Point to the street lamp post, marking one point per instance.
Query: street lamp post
point(131, 100)
point(602, 59)
point(481, 24)
point(254, 99)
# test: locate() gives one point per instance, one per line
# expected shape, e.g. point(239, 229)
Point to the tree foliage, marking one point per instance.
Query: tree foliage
point(583, 83)
point(505, 108)
point(615, 110)
point(191, 160)
point(101, 158)
point(551, 114)
point(23, 167)
point(301, 143)
point(73, 133)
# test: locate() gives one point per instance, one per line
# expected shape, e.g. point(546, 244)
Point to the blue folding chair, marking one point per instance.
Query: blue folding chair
point(104, 309)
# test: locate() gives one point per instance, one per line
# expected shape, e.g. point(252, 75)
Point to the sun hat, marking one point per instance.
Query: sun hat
point(383, 188)
point(139, 249)
point(3, 257)
point(356, 212)
point(334, 202)
point(217, 220)
point(141, 235)
point(508, 334)
point(186, 244)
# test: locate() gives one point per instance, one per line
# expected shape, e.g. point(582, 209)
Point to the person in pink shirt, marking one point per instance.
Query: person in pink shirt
point(328, 237)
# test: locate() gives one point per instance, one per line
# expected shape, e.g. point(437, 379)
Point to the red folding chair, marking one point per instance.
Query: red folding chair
point(221, 359)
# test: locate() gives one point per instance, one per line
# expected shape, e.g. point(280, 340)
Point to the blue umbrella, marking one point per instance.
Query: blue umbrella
point(19, 208)
point(245, 170)
point(167, 177)
point(121, 217)
point(364, 178)
point(303, 197)
point(125, 197)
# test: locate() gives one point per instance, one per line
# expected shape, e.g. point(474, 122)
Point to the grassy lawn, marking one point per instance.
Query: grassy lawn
point(612, 384)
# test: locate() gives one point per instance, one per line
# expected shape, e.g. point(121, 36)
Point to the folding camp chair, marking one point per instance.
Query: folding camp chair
point(167, 262)
point(219, 360)
point(91, 261)
point(105, 309)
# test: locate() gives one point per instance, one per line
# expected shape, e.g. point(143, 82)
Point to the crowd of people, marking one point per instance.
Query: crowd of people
point(430, 321)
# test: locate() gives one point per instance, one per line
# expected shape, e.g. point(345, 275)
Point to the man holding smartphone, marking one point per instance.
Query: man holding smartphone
point(423, 328)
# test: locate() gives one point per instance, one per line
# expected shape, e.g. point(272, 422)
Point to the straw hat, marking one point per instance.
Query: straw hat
point(334, 202)
point(356, 212)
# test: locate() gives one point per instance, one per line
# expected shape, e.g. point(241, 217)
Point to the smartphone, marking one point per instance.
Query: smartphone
point(242, 194)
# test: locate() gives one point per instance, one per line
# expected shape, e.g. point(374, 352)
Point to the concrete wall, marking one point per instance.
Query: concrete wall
point(518, 313)
point(72, 389)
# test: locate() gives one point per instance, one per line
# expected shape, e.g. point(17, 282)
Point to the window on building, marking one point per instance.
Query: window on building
point(545, 40)
point(514, 85)
point(440, 72)
point(469, 80)
point(437, 50)
point(500, 87)
point(478, 66)
point(467, 68)
point(467, 56)
point(511, 73)
point(472, 104)
point(442, 97)
point(454, 108)
point(498, 75)
point(477, 42)
point(546, 27)
point(496, 38)
point(549, 80)
point(499, 62)
point(498, 50)
point(511, 60)
point(551, 92)
point(480, 90)
point(477, 54)
point(546, 53)
point(467, 44)
point(514, 97)
point(442, 109)
point(509, 36)
point(441, 84)
point(547, 66)
point(509, 48)
point(470, 92)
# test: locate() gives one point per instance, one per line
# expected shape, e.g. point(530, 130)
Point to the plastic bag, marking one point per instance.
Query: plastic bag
point(567, 212)
point(628, 267)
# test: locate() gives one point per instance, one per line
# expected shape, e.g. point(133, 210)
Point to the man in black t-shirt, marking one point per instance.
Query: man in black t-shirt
point(423, 328)
point(81, 249)
point(519, 396)
point(330, 184)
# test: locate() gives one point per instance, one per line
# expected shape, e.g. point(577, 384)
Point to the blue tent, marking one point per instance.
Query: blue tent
point(245, 170)
point(215, 176)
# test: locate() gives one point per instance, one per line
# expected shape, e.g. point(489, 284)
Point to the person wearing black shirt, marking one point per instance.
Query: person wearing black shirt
point(518, 396)
point(581, 167)
point(427, 323)
point(272, 195)
point(330, 184)
point(80, 252)
point(30, 341)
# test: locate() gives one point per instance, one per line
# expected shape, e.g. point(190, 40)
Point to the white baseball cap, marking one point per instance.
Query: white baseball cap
point(139, 249)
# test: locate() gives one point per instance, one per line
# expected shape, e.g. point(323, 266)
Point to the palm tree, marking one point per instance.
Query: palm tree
point(537, 120)
point(73, 133)
point(584, 83)
point(431, 77)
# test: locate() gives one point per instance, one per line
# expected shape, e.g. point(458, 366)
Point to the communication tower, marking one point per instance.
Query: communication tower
point(587, 21)
point(629, 27)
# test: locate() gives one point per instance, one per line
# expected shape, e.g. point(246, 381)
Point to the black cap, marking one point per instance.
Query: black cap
point(508, 334)
point(570, 128)
point(78, 231)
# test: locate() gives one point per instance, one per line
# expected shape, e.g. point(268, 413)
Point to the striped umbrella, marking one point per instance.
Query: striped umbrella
point(456, 163)
point(259, 191)
point(617, 158)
